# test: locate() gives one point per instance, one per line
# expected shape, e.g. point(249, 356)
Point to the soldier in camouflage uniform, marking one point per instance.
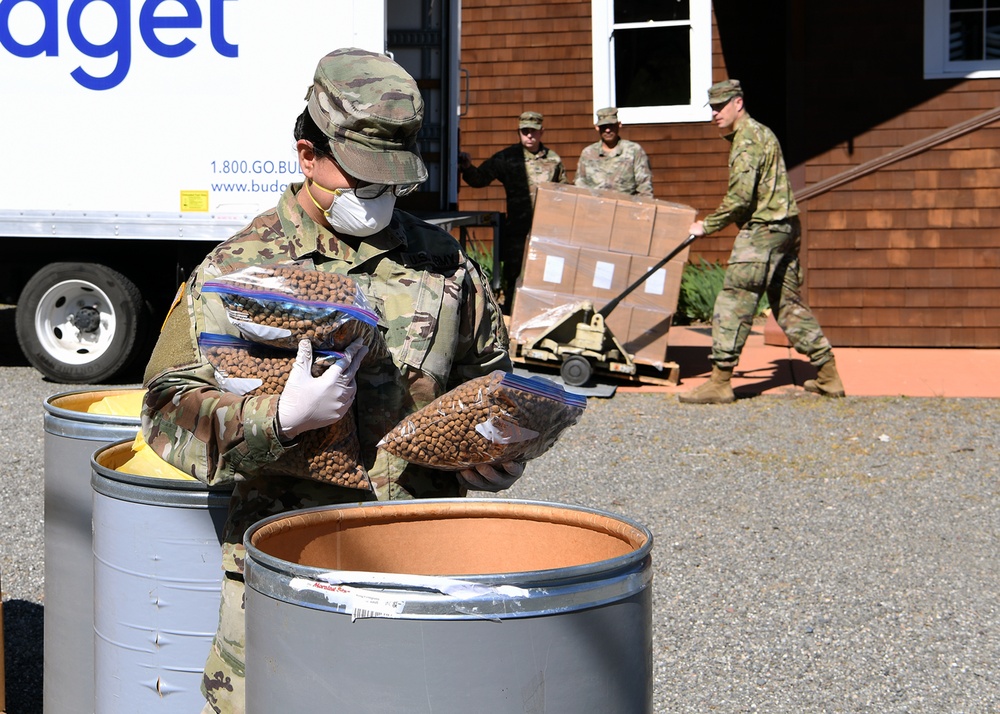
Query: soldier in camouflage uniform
point(765, 255)
point(356, 146)
point(519, 168)
point(614, 163)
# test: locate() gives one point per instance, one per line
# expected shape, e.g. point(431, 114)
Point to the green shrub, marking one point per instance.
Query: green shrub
point(482, 255)
point(700, 284)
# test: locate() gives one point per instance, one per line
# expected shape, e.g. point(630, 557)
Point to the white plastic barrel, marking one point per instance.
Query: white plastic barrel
point(157, 578)
point(71, 436)
point(449, 606)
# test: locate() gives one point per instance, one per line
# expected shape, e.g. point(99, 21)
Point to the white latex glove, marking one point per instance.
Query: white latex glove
point(309, 402)
point(486, 477)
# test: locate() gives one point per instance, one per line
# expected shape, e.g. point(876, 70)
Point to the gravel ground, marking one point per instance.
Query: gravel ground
point(810, 555)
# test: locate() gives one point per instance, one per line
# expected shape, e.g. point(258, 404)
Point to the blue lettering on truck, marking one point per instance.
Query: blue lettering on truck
point(120, 44)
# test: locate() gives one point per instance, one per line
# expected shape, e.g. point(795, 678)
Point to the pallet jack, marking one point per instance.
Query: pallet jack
point(580, 341)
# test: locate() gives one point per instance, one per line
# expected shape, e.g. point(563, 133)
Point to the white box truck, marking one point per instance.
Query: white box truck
point(137, 134)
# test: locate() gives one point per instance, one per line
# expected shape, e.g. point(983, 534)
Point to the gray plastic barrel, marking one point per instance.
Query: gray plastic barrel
point(71, 437)
point(449, 606)
point(157, 577)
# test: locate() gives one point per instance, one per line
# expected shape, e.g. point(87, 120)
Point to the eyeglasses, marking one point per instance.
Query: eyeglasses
point(366, 190)
point(529, 130)
point(609, 127)
point(720, 105)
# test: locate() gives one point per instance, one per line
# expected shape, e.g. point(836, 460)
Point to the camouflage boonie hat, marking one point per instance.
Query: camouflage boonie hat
point(530, 120)
point(722, 92)
point(608, 115)
point(372, 110)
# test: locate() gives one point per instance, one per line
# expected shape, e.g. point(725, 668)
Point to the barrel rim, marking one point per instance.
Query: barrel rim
point(74, 415)
point(137, 481)
point(486, 505)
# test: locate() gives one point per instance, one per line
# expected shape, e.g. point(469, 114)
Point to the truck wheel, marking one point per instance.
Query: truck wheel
point(576, 370)
point(79, 323)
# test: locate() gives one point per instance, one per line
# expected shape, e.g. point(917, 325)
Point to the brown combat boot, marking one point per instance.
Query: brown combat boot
point(827, 381)
point(717, 390)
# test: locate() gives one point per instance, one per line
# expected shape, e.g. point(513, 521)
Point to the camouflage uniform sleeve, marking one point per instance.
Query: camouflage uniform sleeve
point(580, 179)
point(561, 176)
point(737, 206)
point(483, 342)
point(643, 174)
point(214, 435)
point(559, 170)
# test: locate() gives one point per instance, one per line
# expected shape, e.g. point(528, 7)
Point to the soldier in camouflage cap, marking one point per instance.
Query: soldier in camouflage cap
point(765, 255)
point(613, 163)
point(519, 168)
point(721, 92)
point(441, 324)
point(371, 110)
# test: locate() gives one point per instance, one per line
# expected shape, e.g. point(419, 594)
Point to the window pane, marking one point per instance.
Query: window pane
point(966, 4)
point(992, 35)
point(965, 37)
point(657, 10)
point(653, 67)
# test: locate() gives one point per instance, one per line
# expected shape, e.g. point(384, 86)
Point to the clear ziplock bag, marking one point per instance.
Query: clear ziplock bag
point(331, 454)
point(488, 420)
point(280, 305)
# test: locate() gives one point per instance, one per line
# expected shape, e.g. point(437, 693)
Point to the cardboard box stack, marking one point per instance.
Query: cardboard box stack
point(588, 244)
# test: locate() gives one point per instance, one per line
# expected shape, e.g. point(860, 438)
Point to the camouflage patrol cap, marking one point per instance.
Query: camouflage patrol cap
point(608, 115)
point(372, 110)
point(722, 92)
point(529, 120)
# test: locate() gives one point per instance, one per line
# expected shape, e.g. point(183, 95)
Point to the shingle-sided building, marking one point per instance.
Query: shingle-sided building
point(888, 112)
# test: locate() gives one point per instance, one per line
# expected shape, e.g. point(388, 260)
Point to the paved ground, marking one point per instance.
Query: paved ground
point(810, 554)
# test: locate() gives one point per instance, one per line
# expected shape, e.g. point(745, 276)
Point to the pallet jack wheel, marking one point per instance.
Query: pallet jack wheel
point(576, 370)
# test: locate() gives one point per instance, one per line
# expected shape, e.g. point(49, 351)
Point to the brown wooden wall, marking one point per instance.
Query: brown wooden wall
point(529, 55)
point(910, 255)
point(906, 256)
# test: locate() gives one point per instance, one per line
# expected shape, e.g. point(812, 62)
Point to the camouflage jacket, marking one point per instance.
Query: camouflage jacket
point(759, 190)
point(624, 168)
point(519, 171)
point(441, 324)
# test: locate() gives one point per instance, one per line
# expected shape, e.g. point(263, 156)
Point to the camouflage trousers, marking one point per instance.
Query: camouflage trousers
point(224, 680)
point(765, 261)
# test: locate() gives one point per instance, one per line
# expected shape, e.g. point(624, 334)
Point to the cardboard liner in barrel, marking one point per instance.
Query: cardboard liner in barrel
point(462, 558)
point(281, 305)
point(492, 419)
point(330, 454)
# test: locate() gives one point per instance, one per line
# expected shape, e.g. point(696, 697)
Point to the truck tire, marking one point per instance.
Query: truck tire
point(79, 323)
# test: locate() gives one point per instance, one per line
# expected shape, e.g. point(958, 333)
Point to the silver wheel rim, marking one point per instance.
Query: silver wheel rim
point(56, 322)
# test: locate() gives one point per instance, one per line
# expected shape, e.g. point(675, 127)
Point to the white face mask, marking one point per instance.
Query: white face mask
point(353, 216)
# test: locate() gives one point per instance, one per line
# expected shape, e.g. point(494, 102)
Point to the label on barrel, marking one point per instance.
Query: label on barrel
point(372, 603)
point(360, 603)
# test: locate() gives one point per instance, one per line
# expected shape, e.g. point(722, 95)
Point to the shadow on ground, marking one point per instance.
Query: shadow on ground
point(10, 351)
point(23, 629)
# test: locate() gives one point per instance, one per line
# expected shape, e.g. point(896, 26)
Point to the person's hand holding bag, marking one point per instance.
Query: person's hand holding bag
point(309, 402)
point(486, 477)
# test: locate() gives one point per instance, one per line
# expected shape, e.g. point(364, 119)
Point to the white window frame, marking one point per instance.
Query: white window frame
point(602, 13)
point(936, 62)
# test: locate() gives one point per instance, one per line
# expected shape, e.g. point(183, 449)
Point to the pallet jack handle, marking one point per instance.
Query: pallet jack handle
point(606, 310)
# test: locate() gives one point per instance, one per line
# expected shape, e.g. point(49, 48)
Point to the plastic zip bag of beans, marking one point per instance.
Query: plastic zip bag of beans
point(282, 304)
point(488, 420)
point(331, 454)
point(244, 367)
